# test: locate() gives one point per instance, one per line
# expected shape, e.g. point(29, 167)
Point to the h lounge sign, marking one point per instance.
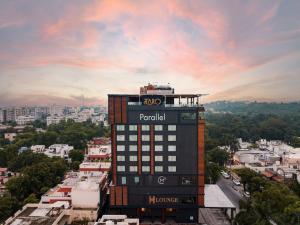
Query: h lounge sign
point(153, 200)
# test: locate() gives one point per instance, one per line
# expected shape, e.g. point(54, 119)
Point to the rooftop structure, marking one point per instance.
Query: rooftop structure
point(59, 150)
point(41, 214)
point(117, 220)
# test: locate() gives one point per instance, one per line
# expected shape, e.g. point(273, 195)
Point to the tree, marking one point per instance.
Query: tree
point(8, 205)
point(31, 199)
point(76, 155)
point(212, 172)
point(218, 156)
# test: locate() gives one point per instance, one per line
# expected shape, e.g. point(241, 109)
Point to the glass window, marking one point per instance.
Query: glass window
point(158, 127)
point(145, 168)
point(123, 180)
point(136, 180)
point(172, 148)
point(158, 169)
point(172, 158)
point(158, 138)
point(145, 158)
point(120, 137)
point(133, 168)
point(133, 127)
point(145, 137)
point(120, 127)
point(132, 137)
point(171, 168)
point(132, 148)
point(120, 148)
point(171, 137)
point(133, 158)
point(145, 148)
point(158, 148)
point(120, 168)
point(145, 127)
point(188, 116)
point(120, 158)
point(158, 158)
point(171, 127)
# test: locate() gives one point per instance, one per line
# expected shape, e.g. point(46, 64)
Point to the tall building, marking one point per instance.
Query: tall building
point(157, 140)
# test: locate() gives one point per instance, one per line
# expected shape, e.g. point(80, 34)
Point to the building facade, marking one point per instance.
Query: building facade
point(157, 143)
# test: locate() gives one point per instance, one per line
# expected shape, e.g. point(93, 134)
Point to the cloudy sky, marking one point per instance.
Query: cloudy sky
point(59, 51)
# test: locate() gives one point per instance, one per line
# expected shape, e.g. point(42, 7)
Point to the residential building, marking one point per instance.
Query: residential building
point(59, 150)
point(24, 120)
point(98, 152)
point(93, 168)
point(38, 148)
point(117, 220)
point(10, 136)
point(54, 119)
point(157, 140)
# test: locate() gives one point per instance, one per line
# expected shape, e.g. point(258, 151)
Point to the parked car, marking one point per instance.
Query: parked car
point(236, 182)
point(225, 175)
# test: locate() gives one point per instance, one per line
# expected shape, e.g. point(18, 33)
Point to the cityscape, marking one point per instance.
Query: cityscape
point(124, 112)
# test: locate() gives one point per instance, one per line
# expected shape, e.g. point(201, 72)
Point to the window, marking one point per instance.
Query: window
point(145, 158)
point(158, 158)
point(133, 158)
point(132, 127)
point(145, 168)
point(158, 127)
point(123, 180)
point(120, 168)
point(120, 127)
point(188, 116)
point(158, 148)
point(171, 168)
point(172, 148)
point(145, 137)
point(172, 158)
point(120, 158)
point(171, 137)
point(136, 180)
point(132, 137)
point(158, 169)
point(145, 148)
point(132, 148)
point(158, 138)
point(145, 127)
point(120, 137)
point(171, 127)
point(120, 148)
point(133, 168)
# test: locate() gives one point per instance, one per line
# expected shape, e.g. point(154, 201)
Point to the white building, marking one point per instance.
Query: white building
point(54, 119)
point(38, 148)
point(10, 136)
point(117, 220)
point(24, 120)
point(59, 150)
point(56, 110)
point(98, 152)
point(93, 168)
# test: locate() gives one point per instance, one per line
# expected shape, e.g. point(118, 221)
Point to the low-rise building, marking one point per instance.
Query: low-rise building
point(93, 168)
point(59, 150)
point(98, 152)
point(38, 148)
point(41, 214)
point(117, 220)
point(10, 136)
point(54, 119)
point(24, 120)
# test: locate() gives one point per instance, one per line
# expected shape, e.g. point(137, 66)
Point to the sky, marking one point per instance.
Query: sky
point(69, 52)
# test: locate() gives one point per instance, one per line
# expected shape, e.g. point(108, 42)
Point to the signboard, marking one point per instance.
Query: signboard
point(152, 100)
point(153, 200)
point(152, 117)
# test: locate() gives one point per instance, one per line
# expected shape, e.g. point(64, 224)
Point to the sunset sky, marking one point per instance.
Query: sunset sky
point(56, 51)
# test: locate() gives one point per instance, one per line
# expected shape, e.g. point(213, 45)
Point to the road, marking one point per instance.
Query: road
point(231, 191)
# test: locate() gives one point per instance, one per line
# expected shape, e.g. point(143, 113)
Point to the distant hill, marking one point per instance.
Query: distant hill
point(243, 107)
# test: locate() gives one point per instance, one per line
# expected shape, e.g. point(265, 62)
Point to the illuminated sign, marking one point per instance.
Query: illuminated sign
point(152, 200)
point(154, 117)
point(152, 100)
point(161, 180)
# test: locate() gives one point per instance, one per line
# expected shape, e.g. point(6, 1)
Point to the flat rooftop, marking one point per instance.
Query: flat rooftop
point(215, 198)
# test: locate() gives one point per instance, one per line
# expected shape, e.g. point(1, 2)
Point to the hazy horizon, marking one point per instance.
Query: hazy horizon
point(58, 51)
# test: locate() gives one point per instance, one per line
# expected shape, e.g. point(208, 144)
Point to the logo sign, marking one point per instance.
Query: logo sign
point(152, 100)
point(152, 200)
point(161, 180)
point(154, 117)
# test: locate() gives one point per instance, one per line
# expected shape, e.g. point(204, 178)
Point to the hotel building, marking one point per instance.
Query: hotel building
point(157, 140)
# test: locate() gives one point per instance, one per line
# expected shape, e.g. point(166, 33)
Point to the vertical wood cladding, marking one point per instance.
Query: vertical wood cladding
point(114, 154)
point(152, 149)
point(201, 164)
point(112, 195)
point(139, 148)
point(119, 198)
point(117, 109)
point(125, 195)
